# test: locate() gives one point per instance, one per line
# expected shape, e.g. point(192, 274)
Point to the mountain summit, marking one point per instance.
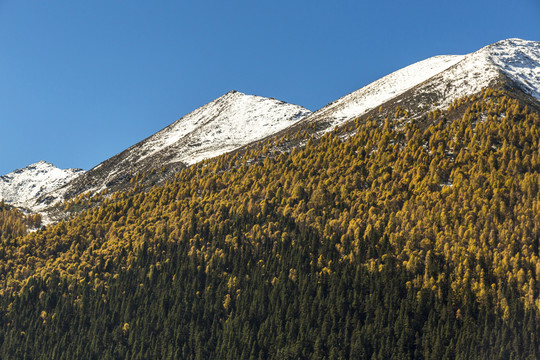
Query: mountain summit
point(437, 81)
point(225, 124)
point(22, 186)
point(519, 60)
point(236, 119)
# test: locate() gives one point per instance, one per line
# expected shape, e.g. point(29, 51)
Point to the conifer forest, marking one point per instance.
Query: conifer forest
point(391, 237)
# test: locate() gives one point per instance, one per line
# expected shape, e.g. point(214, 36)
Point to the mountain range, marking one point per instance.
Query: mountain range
point(235, 120)
point(401, 221)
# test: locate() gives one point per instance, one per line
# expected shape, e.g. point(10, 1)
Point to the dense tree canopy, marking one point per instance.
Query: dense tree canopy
point(390, 237)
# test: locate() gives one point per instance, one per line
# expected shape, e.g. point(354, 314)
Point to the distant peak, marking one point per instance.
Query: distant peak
point(511, 43)
point(37, 165)
point(234, 92)
point(23, 186)
point(230, 95)
point(516, 41)
point(41, 163)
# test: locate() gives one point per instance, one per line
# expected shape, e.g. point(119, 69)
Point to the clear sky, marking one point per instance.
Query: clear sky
point(82, 80)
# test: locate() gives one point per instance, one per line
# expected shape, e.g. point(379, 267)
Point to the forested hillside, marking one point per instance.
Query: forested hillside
point(389, 238)
point(14, 224)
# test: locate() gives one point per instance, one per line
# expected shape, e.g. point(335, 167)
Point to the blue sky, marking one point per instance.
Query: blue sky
point(83, 80)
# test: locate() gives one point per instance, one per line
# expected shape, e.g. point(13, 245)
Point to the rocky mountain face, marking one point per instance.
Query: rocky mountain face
point(235, 119)
point(21, 187)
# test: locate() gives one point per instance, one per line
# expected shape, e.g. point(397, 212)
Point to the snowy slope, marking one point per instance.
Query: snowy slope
point(386, 88)
point(225, 124)
point(520, 61)
point(22, 186)
point(445, 78)
point(231, 121)
point(513, 61)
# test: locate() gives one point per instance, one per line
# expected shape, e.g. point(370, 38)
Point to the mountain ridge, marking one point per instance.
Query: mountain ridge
point(226, 123)
point(430, 224)
point(22, 186)
point(447, 77)
point(236, 120)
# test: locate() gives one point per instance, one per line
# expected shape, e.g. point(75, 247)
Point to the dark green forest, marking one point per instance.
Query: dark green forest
point(389, 238)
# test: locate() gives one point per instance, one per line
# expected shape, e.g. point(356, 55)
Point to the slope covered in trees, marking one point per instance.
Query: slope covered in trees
point(14, 224)
point(388, 238)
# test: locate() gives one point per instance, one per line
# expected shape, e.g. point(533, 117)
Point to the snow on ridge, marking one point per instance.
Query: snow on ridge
point(449, 76)
point(519, 60)
point(225, 124)
point(467, 77)
point(380, 91)
point(392, 85)
point(231, 121)
point(22, 186)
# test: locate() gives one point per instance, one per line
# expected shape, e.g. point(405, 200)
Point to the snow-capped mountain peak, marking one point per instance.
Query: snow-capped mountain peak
point(441, 79)
point(519, 60)
point(225, 124)
point(22, 186)
point(236, 119)
point(231, 121)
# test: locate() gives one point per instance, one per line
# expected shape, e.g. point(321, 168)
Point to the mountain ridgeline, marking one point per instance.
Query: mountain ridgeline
point(410, 230)
point(225, 124)
point(21, 187)
point(236, 120)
